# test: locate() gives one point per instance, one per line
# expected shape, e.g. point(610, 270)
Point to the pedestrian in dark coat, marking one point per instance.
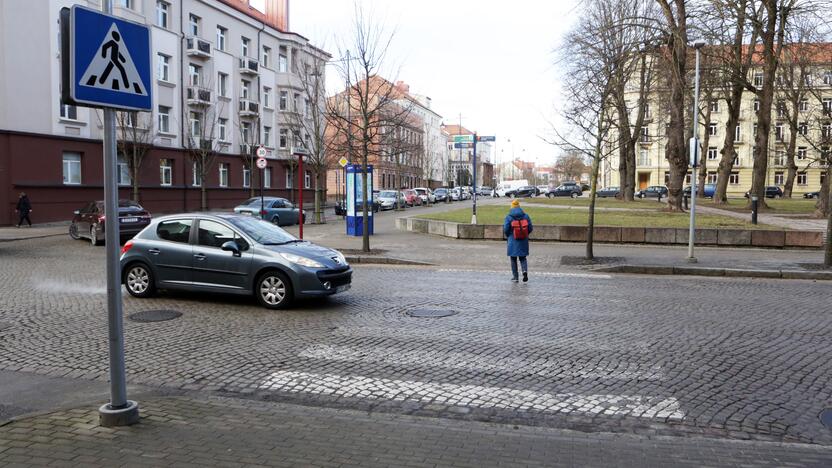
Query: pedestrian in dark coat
point(517, 248)
point(24, 207)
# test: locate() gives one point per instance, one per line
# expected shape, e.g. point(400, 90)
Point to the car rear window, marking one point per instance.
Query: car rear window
point(178, 230)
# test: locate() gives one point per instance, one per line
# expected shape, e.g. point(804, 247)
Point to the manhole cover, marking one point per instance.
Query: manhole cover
point(826, 417)
point(431, 313)
point(154, 315)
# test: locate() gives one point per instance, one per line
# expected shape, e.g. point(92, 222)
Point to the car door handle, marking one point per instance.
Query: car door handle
point(199, 256)
point(154, 251)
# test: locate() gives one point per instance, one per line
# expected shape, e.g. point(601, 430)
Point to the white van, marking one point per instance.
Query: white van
point(510, 185)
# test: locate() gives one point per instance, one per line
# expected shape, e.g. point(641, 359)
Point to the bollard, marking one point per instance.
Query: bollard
point(754, 201)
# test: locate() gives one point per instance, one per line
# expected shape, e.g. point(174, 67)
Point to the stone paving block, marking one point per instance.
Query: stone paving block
point(804, 239)
point(738, 237)
point(659, 235)
point(767, 238)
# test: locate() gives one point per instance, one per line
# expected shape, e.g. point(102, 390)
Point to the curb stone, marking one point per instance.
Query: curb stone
point(726, 272)
point(379, 260)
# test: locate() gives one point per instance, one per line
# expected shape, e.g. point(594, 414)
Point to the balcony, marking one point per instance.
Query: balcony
point(249, 108)
point(645, 140)
point(197, 47)
point(198, 96)
point(249, 66)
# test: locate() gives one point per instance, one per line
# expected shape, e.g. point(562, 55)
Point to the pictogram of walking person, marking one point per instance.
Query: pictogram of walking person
point(116, 59)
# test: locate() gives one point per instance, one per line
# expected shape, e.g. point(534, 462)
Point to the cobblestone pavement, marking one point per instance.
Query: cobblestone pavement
point(181, 431)
point(733, 358)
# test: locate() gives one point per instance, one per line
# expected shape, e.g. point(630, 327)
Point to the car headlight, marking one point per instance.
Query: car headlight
point(302, 261)
point(341, 259)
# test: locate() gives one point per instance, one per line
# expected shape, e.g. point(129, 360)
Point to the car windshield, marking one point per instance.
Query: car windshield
point(263, 232)
point(387, 194)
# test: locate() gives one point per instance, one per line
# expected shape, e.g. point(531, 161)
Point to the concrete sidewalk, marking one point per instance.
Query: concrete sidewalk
point(770, 219)
point(12, 233)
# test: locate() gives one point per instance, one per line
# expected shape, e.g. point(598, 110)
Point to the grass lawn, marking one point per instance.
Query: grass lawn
point(782, 205)
point(647, 204)
point(544, 215)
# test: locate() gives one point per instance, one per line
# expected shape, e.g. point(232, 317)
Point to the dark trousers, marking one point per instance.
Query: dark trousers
point(24, 216)
point(523, 264)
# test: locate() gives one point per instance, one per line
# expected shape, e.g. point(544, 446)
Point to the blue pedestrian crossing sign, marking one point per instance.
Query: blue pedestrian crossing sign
point(108, 63)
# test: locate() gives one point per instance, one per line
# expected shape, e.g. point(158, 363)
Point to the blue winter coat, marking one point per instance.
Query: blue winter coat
point(516, 248)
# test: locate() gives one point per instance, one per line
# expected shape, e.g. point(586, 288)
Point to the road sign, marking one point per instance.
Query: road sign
point(343, 161)
point(108, 62)
point(261, 152)
point(261, 163)
point(463, 138)
point(486, 138)
point(299, 150)
point(464, 145)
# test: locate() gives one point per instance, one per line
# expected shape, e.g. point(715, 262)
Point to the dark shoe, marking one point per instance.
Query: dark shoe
point(525, 276)
point(514, 280)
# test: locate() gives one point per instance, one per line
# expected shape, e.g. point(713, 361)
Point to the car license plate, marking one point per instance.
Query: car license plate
point(129, 220)
point(343, 288)
point(247, 213)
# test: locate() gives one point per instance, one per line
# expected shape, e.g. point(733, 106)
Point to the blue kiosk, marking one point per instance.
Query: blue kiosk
point(355, 193)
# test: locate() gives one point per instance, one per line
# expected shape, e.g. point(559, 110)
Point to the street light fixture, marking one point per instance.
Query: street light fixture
point(694, 154)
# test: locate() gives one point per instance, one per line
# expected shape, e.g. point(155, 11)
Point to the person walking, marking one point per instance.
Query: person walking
point(24, 207)
point(517, 227)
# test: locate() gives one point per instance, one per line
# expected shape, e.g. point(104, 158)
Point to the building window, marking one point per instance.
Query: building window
point(756, 105)
point(714, 106)
point(164, 119)
point(163, 72)
point(643, 158)
point(780, 158)
point(126, 4)
point(69, 112)
point(162, 14)
point(645, 135)
point(267, 52)
point(712, 129)
point(758, 79)
point(781, 109)
point(711, 178)
point(666, 177)
point(196, 124)
point(307, 179)
point(778, 178)
point(222, 84)
point(284, 138)
point(72, 168)
point(193, 24)
point(306, 107)
point(221, 32)
point(778, 132)
point(827, 78)
point(296, 102)
point(754, 130)
point(245, 132)
point(246, 177)
point(195, 179)
point(282, 60)
point(244, 42)
point(284, 100)
point(267, 97)
point(222, 124)
point(802, 128)
point(123, 171)
point(267, 136)
point(289, 179)
point(738, 133)
point(801, 153)
point(802, 178)
point(267, 177)
point(712, 153)
point(826, 130)
point(827, 106)
point(223, 174)
point(165, 172)
point(804, 105)
point(244, 84)
point(194, 71)
point(734, 178)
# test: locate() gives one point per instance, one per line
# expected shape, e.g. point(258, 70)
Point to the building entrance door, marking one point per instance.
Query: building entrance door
point(643, 180)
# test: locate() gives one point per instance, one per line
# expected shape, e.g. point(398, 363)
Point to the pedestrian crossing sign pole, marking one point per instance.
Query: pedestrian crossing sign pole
point(105, 63)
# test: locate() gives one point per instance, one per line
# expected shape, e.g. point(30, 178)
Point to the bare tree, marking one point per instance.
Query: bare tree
point(202, 143)
point(135, 138)
point(572, 165)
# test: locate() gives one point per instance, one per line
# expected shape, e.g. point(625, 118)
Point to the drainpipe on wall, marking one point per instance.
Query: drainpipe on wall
point(259, 103)
point(183, 116)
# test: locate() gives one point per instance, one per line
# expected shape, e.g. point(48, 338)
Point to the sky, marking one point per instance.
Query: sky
point(492, 62)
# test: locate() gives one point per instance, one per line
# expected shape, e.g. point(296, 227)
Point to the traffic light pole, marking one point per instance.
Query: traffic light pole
point(474, 185)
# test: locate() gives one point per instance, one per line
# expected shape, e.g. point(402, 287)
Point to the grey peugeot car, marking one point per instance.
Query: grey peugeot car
point(230, 253)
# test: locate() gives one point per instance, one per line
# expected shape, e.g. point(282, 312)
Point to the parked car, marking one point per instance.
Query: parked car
point(411, 197)
point(388, 199)
point(815, 194)
point(565, 190)
point(772, 191)
point(466, 193)
point(525, 192)
point(608, 192)
point(456, 194)
point(341, 207)
point(710, 190)
point(278, 211)
point(653, 191)
point(89, 222)
point(233, 254)
point(426, 195)
point(486, 191)
point(542, 189)
point(442, 194)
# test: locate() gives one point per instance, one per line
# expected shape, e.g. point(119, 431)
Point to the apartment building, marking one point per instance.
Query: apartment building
point(812, 145)
point(226, 75)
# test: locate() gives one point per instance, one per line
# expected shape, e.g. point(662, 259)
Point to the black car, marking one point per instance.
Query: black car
point(815, 194)
point(89, 222)
point(653, 191)
point(442, 194)
point(608, 192)
point(772, 191)
point(565, 190)
point(341, 207)
point(525, 192)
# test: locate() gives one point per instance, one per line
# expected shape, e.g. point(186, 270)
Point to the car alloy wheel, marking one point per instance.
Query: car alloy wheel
point(274, 290)
point(276, 220)
point(139, 281)
point(73, 231)
point(574, 195)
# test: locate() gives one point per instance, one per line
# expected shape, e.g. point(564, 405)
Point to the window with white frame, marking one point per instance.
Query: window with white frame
point(72, 168)
point(827, 106)
point(712, 129)
point(195, 176)
point(267, 54)
point(758, 79)
point(267, 136)
point(223, 174)
point(779, 158)
point(754, 129)
point(165, 172)
point(68, 112)
point(245, 132)
point(802, 128)
point(826, 129)
point(126, 4)
point(222, 84)
point(827, 78)
point(781, 109)
point(779, 178)
point(163, 67)
point(645, 135)
point(123, 171)
point(244, 43)
point(284, 138)
point(306, 107)
point(222, 126)
point(164, 119)
point(244, 84)
point(778, 132)
point(193, 24)
point(267, 177)
point(246, 177)
point(734, 178)
point(194, 72)
point(307, 179)
point(284, 100)
point(804, 105)
point(267, 97)
point(162, 14)
point(289, 179)
point(714, 106)
point(738, 133)
point(711, 178)
point(296, 103)
point(712, 153)
point(802, 153)
point(802, 178)
point(221, 37)
point(196, 124)
point(282, 60)
point(756, 105)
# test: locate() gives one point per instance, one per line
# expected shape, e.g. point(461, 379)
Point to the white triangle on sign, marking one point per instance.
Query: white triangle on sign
point(112, 68)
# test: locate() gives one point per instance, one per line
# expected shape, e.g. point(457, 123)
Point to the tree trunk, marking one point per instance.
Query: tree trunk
point(703, 158)
point(675, 150)
point(590, 228)
point(318, 217)
point(792, 166)
point(822, 206)
point(729, 153)
point(204, 195)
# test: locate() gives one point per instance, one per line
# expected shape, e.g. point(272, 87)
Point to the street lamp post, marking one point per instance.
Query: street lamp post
point(694, 156)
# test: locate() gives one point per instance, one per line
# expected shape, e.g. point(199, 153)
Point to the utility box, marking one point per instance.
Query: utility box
point(355, 198)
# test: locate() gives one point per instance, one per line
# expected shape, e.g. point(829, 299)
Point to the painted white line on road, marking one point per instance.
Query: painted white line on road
point(475, 396)
point(481, 363)
point(532, 274)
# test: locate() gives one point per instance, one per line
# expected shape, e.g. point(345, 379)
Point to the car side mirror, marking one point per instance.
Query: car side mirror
point(76, 212)
point(231, 246)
